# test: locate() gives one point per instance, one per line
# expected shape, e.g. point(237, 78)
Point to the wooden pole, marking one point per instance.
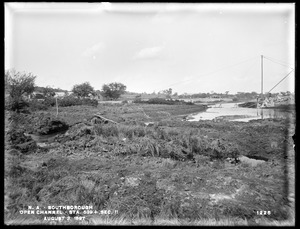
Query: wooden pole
point(105, 119)
point(56, 107)
point(262, 75)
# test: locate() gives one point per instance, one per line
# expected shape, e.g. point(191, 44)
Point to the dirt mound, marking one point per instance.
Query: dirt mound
point(48, 125)
point(18, 137)
point(26, 147)
point(20, 141)
point(80, 130)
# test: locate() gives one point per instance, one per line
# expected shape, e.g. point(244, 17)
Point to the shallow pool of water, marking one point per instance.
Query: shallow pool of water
point(232, 112)
point(47, 138)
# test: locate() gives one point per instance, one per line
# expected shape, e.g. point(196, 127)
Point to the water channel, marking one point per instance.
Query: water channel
point(232, 112)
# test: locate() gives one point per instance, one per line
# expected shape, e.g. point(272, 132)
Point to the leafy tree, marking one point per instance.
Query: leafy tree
point(167, 91)
point(18, 84)
point(83, 90)
point(48, 92)
point(113, 90)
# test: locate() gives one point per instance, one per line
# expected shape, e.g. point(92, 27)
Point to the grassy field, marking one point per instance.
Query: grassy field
point(171, 172)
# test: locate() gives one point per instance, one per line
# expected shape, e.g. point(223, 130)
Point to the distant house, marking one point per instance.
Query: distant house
point(97, 96)
point(36, 95)
point(100, 97)
point(60, 94)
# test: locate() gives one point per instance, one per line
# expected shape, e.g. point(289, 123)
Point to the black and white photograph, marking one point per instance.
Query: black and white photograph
point(149, 114)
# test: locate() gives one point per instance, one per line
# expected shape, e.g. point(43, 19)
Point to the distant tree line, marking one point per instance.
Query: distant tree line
point(110, 91)
point(20, 85)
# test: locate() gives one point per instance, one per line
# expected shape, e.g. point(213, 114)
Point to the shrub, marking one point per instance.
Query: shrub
point(50, 101)
point(71, 101)
point(35, 105)
point(68, 101)
point(18, 104)
point(90, 102)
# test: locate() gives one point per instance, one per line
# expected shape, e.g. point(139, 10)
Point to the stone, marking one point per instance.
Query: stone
point(132, 181)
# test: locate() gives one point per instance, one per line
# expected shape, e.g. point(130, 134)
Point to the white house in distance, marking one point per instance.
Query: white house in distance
point(35, 94)
point(62, 93)
point(58, 94)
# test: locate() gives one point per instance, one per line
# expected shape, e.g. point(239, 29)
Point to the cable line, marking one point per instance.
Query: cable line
point(281, 80)
point(279, 63)
point(247, 71)
point(268, 58)
point(278, 60)
point(226, 67)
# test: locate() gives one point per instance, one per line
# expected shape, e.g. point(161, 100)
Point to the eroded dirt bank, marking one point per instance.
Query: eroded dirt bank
point(150, 164)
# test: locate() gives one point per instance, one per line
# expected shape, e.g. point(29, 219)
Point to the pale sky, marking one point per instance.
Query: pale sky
point(150, 47)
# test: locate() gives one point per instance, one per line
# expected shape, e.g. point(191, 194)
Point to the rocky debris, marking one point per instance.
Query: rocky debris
point(42, 145)
point(26, 147)
point(21, 142)
point(18, 137)
point(233, 160)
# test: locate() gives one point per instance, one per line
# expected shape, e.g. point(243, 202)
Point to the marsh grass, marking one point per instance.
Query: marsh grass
point(177, 145)
point(166, 161)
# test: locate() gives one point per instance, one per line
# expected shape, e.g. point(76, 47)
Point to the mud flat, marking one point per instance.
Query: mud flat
point(173, 171)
